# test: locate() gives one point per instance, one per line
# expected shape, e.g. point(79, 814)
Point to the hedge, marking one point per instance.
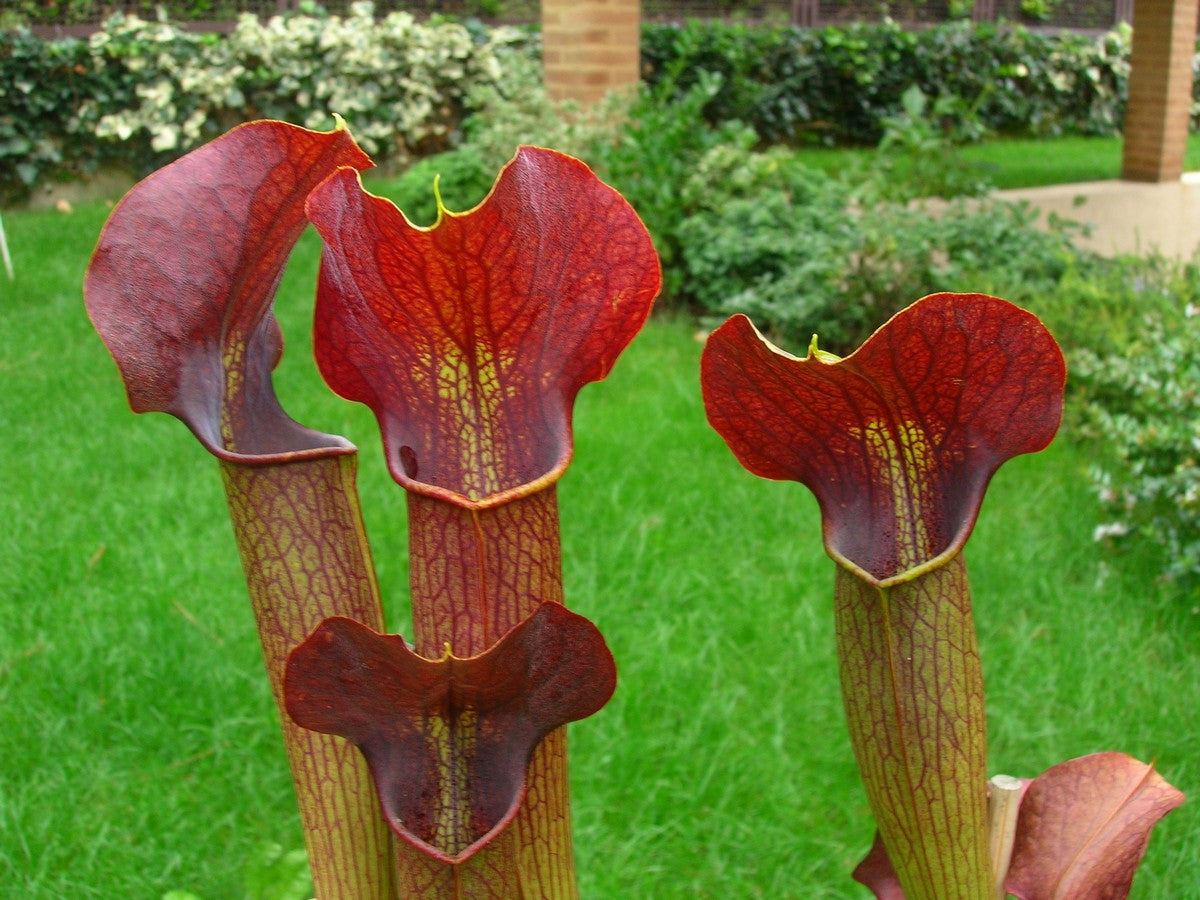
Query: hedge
point(138, 93)
point(837, 85)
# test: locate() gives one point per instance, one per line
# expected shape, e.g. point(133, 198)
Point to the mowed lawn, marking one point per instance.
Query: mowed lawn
point(139, 750)
point(1007, 162)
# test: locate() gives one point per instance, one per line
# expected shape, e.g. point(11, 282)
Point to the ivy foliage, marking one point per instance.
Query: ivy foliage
point(76, 12)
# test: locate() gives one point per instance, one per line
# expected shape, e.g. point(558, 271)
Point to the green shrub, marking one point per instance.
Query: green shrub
point(918, 156)
point(401, 84)
point(838, 84)
point(516, 110)
point(757, 232)
point(1130, 328)
point(144, 92)
point(646, 145)
point(801, 252)
point(72, 12)
point(766, 236)
point(150, 91)
point(463, 178)
point(168, 89)
point(1099, 304)
point(39, 86)
point(1141, 405)
point(663, 139)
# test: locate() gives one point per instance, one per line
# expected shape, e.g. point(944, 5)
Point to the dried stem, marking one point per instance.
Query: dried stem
point(1004, 802)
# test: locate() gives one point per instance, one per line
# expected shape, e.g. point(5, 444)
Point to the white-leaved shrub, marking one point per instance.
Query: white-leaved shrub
point(1144, 403)
point(401, 84)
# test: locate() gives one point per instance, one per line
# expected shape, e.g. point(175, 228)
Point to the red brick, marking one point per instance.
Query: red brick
point(599, 37)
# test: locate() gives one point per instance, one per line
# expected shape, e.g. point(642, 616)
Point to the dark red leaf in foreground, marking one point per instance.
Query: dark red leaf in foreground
point(471, 339)
point(181, 284)
point(1084, 826)
point(449, 741)
point(876, 872)
point(899, 440)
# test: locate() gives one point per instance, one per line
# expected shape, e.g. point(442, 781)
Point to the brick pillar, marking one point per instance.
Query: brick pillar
point(591, 47)
point(1160, 89)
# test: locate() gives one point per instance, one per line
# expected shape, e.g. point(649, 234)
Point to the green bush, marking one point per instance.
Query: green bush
point(918, 155)
point(838, 85)
point(663, 139)
point(39, 87)
point(72, 12)
point(166, 92)
point(463, 178)
point(1141, 401)
point(801, 252)
point(516, 110)
point(766, 236)
point(1130, 327)
point(758, 232)
point(144, 92)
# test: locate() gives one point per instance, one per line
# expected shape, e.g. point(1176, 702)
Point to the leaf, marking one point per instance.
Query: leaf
point(180, 288)
point(1081, 833)
point(1084, 827)
point(876, 872)
point(300, 534)
point(471, 339)
point(899, 440)
point(912, 687)
point(449, 741)
point(181, 284)
point(898, 443)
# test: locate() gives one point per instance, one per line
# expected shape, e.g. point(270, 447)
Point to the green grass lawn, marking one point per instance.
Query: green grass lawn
point(139, 751)
point(1032, 163)
point(1017, 163)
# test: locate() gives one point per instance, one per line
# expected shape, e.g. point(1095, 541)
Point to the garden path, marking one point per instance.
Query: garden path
point(1126, 216)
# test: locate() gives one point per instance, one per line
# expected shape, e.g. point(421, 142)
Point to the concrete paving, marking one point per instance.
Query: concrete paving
point(1126, 216)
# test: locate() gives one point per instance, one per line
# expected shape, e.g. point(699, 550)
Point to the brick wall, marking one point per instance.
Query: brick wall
point(590, 47)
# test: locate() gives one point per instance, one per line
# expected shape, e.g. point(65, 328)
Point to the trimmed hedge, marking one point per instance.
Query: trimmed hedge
point(83, 12)
point(838, 85)
point(139, 94)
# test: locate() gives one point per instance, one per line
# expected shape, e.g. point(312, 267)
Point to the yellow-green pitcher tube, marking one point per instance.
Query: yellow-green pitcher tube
point(300, 534)
point(912, 686)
